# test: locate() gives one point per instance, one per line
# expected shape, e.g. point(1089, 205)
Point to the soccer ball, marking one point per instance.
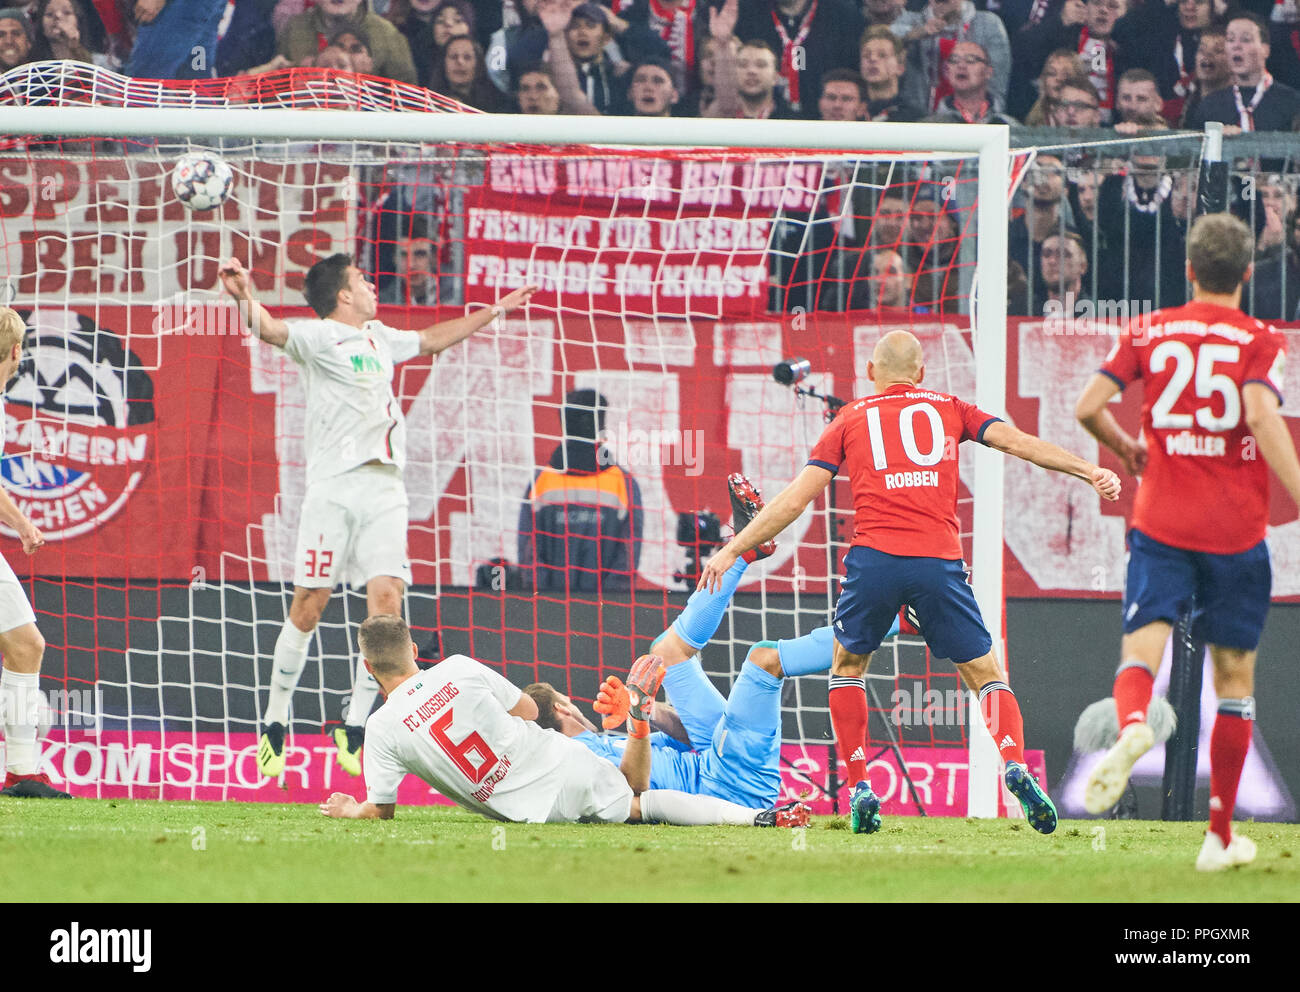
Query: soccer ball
point(202, 181)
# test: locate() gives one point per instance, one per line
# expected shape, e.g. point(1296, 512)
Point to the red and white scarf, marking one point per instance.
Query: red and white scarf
point(788, 46)
point(1147, 201)
point(1184, 85)
point(676, 28)
point(941, 49)
point(1246, 112)
point(1104, 80)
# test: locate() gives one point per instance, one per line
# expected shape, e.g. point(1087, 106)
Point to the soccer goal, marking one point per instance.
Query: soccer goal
point(680, 262)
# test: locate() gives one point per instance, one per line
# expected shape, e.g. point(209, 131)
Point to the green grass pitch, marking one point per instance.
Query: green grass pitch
point(93, 851)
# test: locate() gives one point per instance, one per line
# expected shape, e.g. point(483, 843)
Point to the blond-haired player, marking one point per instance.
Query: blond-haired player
point(20, 642)
point(354, 513)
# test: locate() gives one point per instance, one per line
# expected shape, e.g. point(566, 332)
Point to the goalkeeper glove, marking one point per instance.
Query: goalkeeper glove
point(643, 683)
point(633, 700)
point(613, 702)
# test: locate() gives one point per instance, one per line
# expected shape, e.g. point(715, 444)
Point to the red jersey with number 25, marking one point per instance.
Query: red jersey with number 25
point(899, 450)
point(1206, 486)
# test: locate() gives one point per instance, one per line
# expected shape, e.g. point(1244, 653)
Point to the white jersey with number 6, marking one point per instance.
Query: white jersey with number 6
point(450, 726)
point(352, 415)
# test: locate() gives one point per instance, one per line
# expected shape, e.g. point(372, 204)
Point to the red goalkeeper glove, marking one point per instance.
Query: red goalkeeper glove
point(613, 702)
point(643, 683)
point(634, 700)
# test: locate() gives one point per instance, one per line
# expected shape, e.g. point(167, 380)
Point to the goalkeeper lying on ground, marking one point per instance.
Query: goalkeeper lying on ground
point(734, 745)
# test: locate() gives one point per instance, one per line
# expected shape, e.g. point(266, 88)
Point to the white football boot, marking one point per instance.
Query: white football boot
point(1215, 857)
point(1109, 779)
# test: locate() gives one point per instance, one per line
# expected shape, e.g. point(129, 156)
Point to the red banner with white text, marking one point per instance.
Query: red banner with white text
point(647, 238)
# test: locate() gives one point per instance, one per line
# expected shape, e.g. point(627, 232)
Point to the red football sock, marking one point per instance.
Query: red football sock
point(1229, 742)
point(1132, 693)
point(848, 701)
point(1002, 717)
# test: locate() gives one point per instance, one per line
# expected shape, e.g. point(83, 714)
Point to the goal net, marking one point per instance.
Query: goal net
point(566, 469)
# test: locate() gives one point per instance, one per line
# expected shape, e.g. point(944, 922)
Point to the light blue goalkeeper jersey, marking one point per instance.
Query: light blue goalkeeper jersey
point(672, 764)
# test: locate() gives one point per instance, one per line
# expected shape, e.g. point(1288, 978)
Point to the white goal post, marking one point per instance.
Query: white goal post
point(989, 143)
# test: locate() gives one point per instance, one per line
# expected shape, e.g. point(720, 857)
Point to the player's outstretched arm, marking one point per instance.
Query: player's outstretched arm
point(779, 514)
point(1045, 454)
point(343, 806)
point(261, 324)
point(1264, 418)
point(1093, 412)
point(439, 337)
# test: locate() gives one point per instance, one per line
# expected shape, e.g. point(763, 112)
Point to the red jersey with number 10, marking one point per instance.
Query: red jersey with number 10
point(1205, 487)
point(899, 450)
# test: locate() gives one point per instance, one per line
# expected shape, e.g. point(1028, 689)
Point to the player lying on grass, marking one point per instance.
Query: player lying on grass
point(729, 747)
point(1197, 535)
point(899, 449)
point(20, 642)
point(469, 734)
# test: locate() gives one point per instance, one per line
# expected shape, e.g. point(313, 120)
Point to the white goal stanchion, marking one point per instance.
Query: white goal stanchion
point(403, 137)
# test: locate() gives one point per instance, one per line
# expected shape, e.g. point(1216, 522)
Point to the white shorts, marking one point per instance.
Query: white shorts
point(15, 610)
point(353, 528)
point(594, 791)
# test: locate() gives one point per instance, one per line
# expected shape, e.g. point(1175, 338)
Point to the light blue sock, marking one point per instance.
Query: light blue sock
point(812, 652)
point(808, 654)
point(699, 619)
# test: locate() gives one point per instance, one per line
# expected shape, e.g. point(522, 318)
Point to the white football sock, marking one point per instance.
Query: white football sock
point(20, 699)
point(286, 669)
point(686, 810)
point(364, 690)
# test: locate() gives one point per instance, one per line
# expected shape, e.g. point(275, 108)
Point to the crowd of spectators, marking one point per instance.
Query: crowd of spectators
point(1131, 66)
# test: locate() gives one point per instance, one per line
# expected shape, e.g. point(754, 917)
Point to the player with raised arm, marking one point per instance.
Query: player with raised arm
point(1212, 380)
point(725, 747)
point(354, 513)
point(20, 642)
point(468, 733)
point(899, 449)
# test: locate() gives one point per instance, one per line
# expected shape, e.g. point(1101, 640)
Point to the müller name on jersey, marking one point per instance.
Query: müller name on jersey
point(1189, 443)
